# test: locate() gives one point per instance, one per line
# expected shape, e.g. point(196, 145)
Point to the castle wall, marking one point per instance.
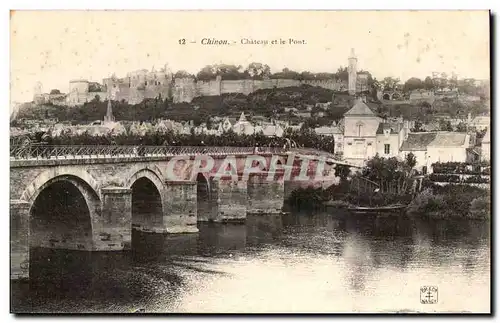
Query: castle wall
point(238, 86)
point(208, 88)
point(184, 90)
point(134, 89)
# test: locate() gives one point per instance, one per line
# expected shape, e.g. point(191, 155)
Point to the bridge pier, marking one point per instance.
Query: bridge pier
point(229, 199)
point(265, 193)
point(114, 231)
point(180, 214)
point(19, 239)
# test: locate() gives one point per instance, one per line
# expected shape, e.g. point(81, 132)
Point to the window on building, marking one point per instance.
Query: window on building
point(359, 128)
point(387, 149)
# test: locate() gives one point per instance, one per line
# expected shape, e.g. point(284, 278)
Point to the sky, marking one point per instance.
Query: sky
point(53, 47)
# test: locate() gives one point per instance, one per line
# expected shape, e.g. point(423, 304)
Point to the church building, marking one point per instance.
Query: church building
point(360, 133)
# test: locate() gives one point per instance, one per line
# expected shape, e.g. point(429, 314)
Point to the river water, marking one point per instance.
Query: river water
point(300, 263)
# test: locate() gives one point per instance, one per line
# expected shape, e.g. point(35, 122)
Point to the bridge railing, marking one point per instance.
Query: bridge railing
point(19, 152)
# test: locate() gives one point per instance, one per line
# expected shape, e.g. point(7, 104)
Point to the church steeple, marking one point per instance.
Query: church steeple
point(109, 113)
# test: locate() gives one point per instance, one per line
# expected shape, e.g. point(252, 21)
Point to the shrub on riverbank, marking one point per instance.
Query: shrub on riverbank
point(307, 198)
point(340, 196)
point(480, 208)
point(452, 201)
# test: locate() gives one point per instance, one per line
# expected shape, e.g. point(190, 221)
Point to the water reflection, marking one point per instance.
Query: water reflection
point(299, 262)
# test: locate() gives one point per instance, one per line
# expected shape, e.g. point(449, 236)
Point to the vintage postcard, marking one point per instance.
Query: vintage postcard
point(250, 162)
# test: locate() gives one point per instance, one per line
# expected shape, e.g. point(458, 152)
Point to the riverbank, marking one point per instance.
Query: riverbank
point(452, 201)
point(437, 202)
point(338, 196)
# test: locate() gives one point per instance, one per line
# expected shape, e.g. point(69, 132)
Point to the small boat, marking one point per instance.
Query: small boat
point(377, 209)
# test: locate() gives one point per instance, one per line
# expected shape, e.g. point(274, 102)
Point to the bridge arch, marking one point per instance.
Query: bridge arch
point(150, 174)
point(63, 212)
point(34, 188)
point(203, 197)
point(148, 206)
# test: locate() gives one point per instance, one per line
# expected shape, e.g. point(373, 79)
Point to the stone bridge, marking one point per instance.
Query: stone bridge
point(91, 197)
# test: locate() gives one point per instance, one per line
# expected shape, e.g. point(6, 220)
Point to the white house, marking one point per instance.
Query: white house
point(390, 137)
point(431, 147)
point(360, 133)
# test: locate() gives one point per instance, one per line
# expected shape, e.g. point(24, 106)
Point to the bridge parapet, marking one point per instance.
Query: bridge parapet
point(19, 152)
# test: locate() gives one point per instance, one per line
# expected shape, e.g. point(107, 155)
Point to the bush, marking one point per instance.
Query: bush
point(307, 198)
point(480, 208)
point(428, 203)
point(451, 201)
point(476, 179)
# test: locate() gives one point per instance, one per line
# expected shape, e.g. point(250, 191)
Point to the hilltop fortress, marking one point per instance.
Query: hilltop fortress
point(143, 84)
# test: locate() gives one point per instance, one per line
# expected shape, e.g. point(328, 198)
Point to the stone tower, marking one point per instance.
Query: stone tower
point(109, 114)
point(352, 72)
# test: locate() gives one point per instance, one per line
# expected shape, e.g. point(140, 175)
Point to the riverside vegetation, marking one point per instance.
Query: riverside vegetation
point(453, 201)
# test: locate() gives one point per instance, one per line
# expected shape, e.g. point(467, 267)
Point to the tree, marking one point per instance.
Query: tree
point(413, 84)
point(342, 74)
point(286, 73)
point(55, 91)
point(307, 76)
point(428, 83)
point(445, 125)
point(258, 71)
point(411, 160)
point(462, 127)
point(182, 74)
point(342, 171)
point(417, 127)
point(207, 73)
point(390, 83)
point(231, 72)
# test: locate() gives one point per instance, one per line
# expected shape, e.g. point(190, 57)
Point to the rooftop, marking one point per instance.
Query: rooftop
point(359, 109)
point(421, 140)
point(327, 130)
point(395, 127)
point(449, 139)
point(418, 141)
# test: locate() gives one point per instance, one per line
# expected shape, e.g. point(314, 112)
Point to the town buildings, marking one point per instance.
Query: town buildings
point(365, 135)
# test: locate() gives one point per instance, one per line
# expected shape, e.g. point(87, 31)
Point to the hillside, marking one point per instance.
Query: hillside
point(295, 104)
point(267, 103)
